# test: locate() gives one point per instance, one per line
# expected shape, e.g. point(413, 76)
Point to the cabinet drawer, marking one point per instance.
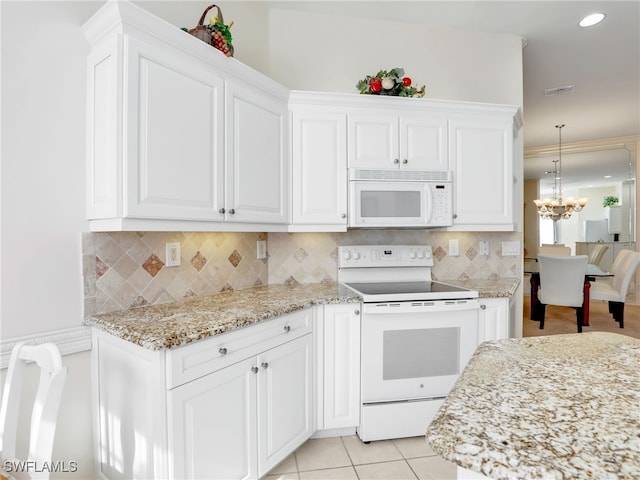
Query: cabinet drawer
point(193, 361)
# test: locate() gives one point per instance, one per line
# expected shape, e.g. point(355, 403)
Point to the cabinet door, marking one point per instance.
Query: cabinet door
point(494, 319)
point(373, 140)
point(284, 401)
point(319, 171)
point(172, 136)
point(341, 382)
point(423, 143)
point(212, 426)
point(481, 156)
point(256, 154)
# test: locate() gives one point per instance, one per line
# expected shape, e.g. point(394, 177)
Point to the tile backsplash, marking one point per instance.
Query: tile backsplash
point(127, 269)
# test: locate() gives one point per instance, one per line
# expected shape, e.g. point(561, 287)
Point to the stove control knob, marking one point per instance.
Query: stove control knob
point(356, 255)
point(427, 254)
point(412, 255)
point(347, 255)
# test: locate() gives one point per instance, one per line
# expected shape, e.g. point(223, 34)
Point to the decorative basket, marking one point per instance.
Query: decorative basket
point(217, 34)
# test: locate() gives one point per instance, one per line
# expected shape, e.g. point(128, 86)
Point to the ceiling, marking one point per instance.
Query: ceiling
point(602, 62)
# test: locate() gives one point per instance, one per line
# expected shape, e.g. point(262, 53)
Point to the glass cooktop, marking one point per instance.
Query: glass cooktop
point(425, 290)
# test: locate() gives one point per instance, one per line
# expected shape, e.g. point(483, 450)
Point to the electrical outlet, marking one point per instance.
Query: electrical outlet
point(261, 248)
point(172, 251)
point(510, 248)
point(453, 248)
point(484, 247)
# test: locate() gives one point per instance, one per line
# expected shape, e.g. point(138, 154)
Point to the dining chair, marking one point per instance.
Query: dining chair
point(597, 253)
point(562, 283)
point(615, 293)
point(554, 250)
point(43, 413)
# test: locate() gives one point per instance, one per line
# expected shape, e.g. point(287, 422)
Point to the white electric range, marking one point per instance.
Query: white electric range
point(417, 336)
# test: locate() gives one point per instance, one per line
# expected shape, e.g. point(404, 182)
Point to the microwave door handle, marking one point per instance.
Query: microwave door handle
point(429, 203)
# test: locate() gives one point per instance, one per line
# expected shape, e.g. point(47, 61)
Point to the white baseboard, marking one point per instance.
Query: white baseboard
point(69, 340)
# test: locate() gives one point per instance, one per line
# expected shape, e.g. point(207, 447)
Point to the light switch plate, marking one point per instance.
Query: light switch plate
point(172, 258)
point(510, 248)
point(453, 248)
point(261, 249)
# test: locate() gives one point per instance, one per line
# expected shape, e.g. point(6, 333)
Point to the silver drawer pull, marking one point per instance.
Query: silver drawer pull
point(254, 369)
point(483, 307)
point(287, 328)
point(221, 210)
point(222, 351)
point(356, 312)
point(232, 211)
point(264, 365)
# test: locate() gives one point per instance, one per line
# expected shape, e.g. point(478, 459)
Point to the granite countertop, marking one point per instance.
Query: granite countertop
point(489, 288)
point(178, 323)
point(550, 407)
point(171, 325)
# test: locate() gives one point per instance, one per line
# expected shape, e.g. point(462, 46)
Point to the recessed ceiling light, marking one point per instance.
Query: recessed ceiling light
point(591, 20)
point(607, 176)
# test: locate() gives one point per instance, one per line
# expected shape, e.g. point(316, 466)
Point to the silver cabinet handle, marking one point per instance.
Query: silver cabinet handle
point(396, 160)
point(232, 211)
point(221, 210)
point(344, 215)
point(356, 312)
point(254, 369)
point(455, 215)
point(483, 306)
point(287, 328)
point(405, 161)
point(222, 351)
point(264, 365)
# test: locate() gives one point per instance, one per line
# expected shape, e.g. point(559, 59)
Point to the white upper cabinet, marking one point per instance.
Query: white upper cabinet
point(481, 149)
point(386, 140)
point(172, 135)
point(318, 165)
point(180, 137)
point(256, 188)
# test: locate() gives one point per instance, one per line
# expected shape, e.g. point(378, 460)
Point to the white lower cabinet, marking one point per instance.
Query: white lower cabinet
point(241, 421)
point(339, 367)
point(213, 425)
point(494, 319)
point(229, 407)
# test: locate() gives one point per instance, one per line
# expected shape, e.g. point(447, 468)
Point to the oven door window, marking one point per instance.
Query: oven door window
point(413, 353)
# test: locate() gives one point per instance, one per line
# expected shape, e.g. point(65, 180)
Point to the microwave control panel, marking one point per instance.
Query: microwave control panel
point(441, 200)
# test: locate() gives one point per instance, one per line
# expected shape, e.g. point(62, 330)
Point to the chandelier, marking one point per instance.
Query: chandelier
point(557, 208)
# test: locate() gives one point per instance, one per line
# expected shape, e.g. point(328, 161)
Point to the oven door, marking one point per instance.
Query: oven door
point(416, 350)
point(389, 204)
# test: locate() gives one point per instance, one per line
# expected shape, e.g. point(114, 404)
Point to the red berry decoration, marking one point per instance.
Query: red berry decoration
point(406, 81)
point(375, 85)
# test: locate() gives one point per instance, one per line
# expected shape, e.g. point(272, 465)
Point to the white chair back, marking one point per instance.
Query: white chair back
point(619, 267)
point(43, 414)
point(597, 253)
point(554, 250)
point(562, 279)
point(623, 274)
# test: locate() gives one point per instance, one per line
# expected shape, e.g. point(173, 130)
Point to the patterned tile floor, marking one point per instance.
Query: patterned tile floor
point(347, 458)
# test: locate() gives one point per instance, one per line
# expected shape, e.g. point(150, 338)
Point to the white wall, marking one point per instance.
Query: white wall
point(329, 53)
point(43, 139)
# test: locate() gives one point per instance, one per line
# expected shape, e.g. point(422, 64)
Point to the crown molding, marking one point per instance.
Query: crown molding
point(629, 142)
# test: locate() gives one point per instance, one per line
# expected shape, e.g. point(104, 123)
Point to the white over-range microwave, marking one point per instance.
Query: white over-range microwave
point(400, 198)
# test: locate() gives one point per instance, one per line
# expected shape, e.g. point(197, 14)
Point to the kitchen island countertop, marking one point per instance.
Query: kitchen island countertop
point(551, 407)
